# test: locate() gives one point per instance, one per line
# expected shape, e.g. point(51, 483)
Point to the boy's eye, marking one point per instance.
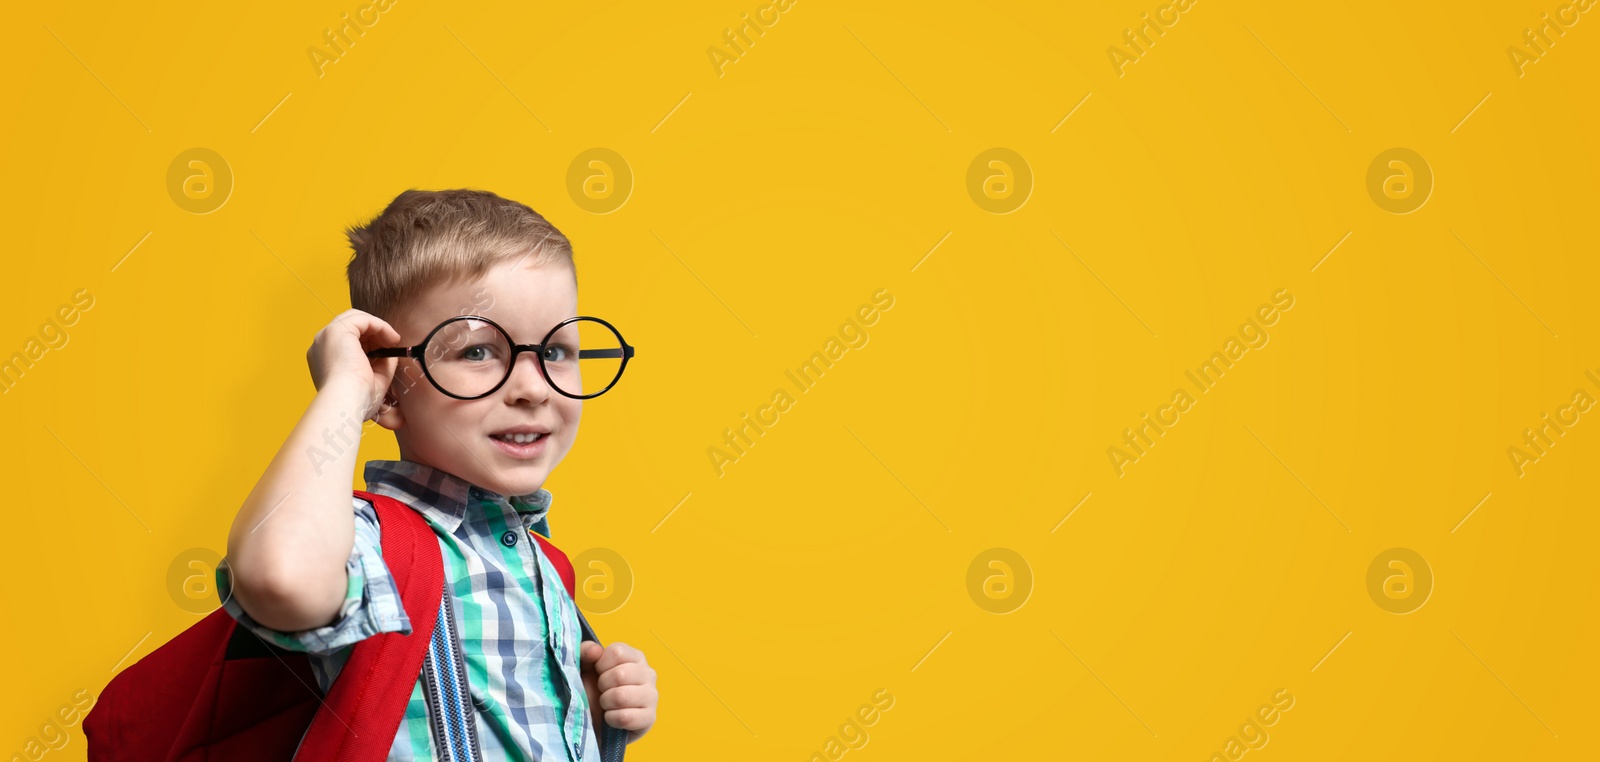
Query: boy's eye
point(477, 353)
point(557, 353)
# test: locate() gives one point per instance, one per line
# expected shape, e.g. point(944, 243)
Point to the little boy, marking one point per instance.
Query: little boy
point(482, 418)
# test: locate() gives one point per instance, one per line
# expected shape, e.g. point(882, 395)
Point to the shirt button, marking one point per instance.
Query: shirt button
point(575, 751)
point(509, 539)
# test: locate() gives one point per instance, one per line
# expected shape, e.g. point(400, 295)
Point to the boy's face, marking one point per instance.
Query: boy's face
point(455, 435)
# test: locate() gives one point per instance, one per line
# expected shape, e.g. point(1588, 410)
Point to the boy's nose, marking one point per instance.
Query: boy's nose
point(526, 381)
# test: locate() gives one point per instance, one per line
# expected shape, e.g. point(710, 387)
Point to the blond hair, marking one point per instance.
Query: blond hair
point(427, 238)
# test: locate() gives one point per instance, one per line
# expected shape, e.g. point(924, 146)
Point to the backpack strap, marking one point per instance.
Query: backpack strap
point(449, 695)
point(558, 560)
point(613, 741)
point(361, 714)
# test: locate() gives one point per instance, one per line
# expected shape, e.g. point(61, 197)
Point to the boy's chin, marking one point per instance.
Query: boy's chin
point(517, 480)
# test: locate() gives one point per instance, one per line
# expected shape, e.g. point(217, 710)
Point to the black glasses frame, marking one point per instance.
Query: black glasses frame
point(416, 352)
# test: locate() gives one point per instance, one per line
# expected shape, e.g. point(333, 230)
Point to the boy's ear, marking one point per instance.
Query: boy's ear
point(389, 415)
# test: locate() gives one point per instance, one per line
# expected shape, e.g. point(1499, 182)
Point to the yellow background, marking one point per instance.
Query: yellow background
point(824, 165)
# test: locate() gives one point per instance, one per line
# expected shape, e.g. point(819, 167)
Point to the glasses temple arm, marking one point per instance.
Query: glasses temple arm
point(602, 354)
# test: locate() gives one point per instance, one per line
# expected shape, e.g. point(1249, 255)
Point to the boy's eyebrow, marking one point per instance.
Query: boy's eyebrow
point(565, 330)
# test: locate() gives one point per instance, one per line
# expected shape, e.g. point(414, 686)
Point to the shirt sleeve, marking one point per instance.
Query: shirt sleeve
point(371, 603)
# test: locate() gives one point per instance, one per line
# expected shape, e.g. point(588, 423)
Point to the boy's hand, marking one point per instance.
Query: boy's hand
point(339, 351)
point(621, 686)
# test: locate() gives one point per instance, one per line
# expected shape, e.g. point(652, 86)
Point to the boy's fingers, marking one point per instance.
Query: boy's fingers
point(619, 653)
point(363, 325)
point(373, 330)
point(628, 697)
point(631, 673)
point(588, 652)
point(353, 321)
point(630, 719)
point(385, 334)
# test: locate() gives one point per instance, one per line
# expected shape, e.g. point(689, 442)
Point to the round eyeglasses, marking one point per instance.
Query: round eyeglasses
point(470, 357)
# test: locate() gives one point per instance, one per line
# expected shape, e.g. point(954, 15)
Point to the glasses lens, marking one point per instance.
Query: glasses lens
point(584, 357)
point(467, 357)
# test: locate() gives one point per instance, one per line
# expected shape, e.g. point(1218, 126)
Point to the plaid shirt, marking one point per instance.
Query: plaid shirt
point(519, 628)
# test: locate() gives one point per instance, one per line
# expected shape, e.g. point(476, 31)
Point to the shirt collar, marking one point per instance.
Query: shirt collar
point(444, 497)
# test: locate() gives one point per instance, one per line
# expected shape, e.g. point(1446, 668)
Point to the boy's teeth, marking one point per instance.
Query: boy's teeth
point(517, 438)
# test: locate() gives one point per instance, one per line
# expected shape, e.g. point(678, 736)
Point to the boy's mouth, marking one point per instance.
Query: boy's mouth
point(523, 442)
point(518, 438)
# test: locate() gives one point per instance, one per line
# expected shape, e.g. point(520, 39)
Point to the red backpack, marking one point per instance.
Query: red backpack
point(217, 691)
